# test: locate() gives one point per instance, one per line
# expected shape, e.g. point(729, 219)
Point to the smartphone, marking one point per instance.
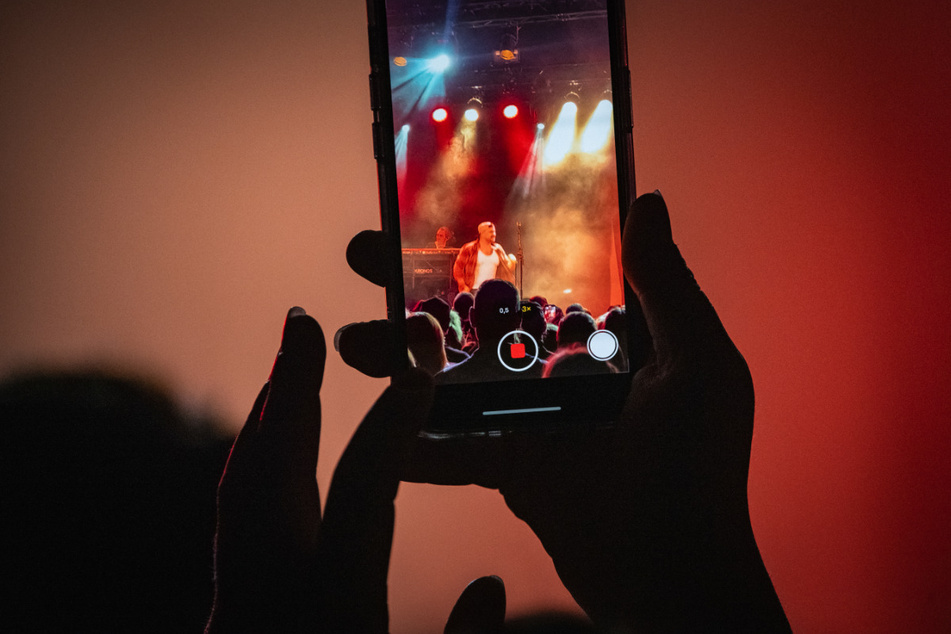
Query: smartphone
point(502, 133)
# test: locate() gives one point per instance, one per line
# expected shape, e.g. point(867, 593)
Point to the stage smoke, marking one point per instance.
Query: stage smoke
point(441, 198)
point(568, 236)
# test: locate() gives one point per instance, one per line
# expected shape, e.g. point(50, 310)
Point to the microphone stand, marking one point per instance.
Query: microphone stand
point(519, 256)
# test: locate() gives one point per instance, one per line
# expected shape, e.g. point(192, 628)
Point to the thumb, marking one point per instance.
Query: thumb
point(649, 254)
point(371, 348)
point(680, 318)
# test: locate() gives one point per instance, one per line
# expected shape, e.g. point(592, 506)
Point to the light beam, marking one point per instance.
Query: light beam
point(598, 130)
point(562, 135)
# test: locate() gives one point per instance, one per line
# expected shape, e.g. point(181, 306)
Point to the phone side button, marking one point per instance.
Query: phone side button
point(374, 98)
point(377, 143)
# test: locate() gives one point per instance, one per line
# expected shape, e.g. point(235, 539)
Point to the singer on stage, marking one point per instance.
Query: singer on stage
point(483, 259)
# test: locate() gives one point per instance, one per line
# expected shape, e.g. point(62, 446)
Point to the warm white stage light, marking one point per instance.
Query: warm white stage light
point(598, 130)
point(562, 135)
point(471, 115)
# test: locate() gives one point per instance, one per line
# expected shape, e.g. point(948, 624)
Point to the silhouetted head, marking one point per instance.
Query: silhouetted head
point(550, 337)
point(574, 360)
point(533, 321)
point(109, 493)
point(575, 328)
point(438, 308)
point(424, 338)
point(462, 303)
point(495, 310)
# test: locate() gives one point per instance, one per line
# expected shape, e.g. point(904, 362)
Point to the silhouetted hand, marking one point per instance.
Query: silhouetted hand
point(647, 523)
point(280, 566)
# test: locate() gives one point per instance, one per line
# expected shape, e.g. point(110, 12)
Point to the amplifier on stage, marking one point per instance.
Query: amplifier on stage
point(428, 273)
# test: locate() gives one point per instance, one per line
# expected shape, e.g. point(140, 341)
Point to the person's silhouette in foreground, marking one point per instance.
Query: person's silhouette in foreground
point(108, 493)
point(647, 522)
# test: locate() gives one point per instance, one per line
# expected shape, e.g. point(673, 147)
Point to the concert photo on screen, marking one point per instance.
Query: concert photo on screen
point(506, 166)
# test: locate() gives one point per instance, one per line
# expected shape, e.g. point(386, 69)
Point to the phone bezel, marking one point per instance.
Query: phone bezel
point(460, 408)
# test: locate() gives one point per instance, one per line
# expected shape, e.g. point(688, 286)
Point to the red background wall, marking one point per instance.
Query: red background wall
point(174, 176)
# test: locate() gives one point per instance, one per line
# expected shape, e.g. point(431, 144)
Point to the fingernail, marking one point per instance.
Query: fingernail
point(337, 336)
point(299, 335)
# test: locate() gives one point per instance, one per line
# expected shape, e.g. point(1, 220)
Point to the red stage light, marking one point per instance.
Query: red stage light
point(510, 111)
point(440, 115)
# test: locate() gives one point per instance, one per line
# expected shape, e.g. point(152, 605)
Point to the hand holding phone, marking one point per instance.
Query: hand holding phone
point(647, 521)
point(281, 565)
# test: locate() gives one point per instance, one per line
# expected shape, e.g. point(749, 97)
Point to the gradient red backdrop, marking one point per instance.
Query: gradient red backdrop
point(174, 176)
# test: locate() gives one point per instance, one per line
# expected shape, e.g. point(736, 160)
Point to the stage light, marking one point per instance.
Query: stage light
point(598, 130)
point(562, 135)
point(540, 126)
point(440, 115)
point(399, 61)
point(473, 106)
point(507, 52)
point(405, 128)
point(439, 64)
point(510, 111)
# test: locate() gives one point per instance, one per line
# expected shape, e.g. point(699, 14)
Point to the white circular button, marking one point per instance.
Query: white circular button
point(602, 345)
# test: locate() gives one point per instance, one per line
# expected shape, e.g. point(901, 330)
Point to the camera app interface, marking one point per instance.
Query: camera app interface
point(507, 182)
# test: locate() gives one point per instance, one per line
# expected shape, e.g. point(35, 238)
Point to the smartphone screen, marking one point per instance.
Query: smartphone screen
point(504, 141)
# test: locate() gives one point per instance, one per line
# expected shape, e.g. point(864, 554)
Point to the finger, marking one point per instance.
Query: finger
point(456, 460)
point(370, 347)
point(680, 318)
point(357, 532)
point(480, 608)
point(491, 459)
point(245, 437)
point(290, 420)
point(366, 255)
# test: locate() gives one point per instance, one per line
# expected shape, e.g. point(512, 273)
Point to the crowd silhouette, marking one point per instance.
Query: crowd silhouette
point(469, 339)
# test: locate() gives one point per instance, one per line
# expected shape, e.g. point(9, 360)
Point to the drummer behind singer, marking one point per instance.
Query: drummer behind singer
point(483, 259)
